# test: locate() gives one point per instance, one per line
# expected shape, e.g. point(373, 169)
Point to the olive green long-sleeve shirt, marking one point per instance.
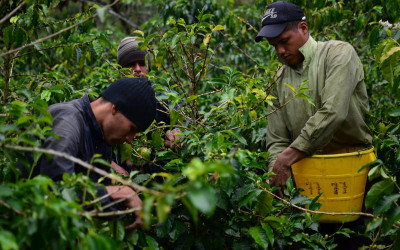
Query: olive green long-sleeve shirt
point(336, 80)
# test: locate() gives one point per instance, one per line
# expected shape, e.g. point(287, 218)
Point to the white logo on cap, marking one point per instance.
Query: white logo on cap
point(271, 13)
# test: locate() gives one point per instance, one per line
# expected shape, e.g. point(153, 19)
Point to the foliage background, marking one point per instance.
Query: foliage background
point(216, 80)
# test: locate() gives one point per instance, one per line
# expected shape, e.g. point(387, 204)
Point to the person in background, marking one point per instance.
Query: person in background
point(129, 55)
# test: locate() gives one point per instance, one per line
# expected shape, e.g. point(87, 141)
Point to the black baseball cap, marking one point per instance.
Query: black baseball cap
point(276, 18)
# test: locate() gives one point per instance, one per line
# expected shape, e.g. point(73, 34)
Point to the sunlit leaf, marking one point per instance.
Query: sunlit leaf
point(259, 236)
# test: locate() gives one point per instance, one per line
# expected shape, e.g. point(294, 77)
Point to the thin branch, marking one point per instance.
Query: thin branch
point(376, 237)
point(53, 35)
point(115, 14)
point(210, 93)
point(108, 214)
point(177, 81)
point(267, 90)
point(53, 47)
point(237, 47)
point(101, 198)
point(47, 37)
point(166, 126)
point(313, 211)
point(248, 24)
point(9, 207)
point(197, 81)
point(266, 115)
point(11, 13)
point(273, 111)
point(184, 60)
point(176, 60)
point(85, 165)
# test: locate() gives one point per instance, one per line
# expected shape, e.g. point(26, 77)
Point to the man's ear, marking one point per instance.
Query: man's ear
point(114, 109)
point(303, 27)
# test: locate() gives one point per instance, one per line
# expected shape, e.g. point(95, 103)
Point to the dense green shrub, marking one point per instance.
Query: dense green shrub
point(216, 80)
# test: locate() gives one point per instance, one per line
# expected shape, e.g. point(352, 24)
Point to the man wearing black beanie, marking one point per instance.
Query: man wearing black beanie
point(87, 127)
point(129, 55)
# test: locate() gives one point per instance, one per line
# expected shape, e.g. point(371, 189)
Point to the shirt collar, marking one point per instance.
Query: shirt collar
point(95, 129)
point(308, 51)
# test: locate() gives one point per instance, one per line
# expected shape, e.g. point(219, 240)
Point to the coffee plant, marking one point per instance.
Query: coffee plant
point(215, 81)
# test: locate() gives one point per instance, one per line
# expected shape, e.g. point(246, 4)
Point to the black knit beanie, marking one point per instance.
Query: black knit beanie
point(128, 52)
point(135, 98)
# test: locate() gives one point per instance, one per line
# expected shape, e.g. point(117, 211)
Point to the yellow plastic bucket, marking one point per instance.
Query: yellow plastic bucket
point(336, 176)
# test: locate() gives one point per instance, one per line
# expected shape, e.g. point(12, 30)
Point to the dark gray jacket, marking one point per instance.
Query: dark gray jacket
point(80, 136)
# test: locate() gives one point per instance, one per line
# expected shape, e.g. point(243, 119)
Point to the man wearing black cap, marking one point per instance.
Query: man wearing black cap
point(87, 127)
point(335, 77)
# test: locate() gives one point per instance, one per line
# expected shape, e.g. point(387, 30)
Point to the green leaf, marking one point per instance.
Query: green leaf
point(191, 98)
point(141, 178)
point(175, 40)
point(374, 36)
point(306, 98)
point(249, 198)
point(14, 19)
point(156, 139)
point(119, 230)
point(101, 13)
point(259, 236)
point(193, 39)
point(7, 240)
point(101, 161)
point(374, 224)
point(147, 208)
point(392, 216)
point(236, 135)
point(385, 203)
point(270, 233)
point(132, 237)
point(164, 207)
point(192, 210)
point(69, 194)
point(206, 39)
point(264, 204)
point(372, 163)
point(138, 32)
point(395, 112)
point(314, 205)
point(177, 230)
point(97, 47)
point(206, 16)
point(291, 87)
point(152, 243)
point(5, 191)
point(202, 196)
point(45, 95)
point(377, 191)
point(218, 27)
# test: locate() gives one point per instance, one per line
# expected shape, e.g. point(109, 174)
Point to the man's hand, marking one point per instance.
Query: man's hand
point(170, 137)
point(119, 169)
point(132, 200)
point(282, 165)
